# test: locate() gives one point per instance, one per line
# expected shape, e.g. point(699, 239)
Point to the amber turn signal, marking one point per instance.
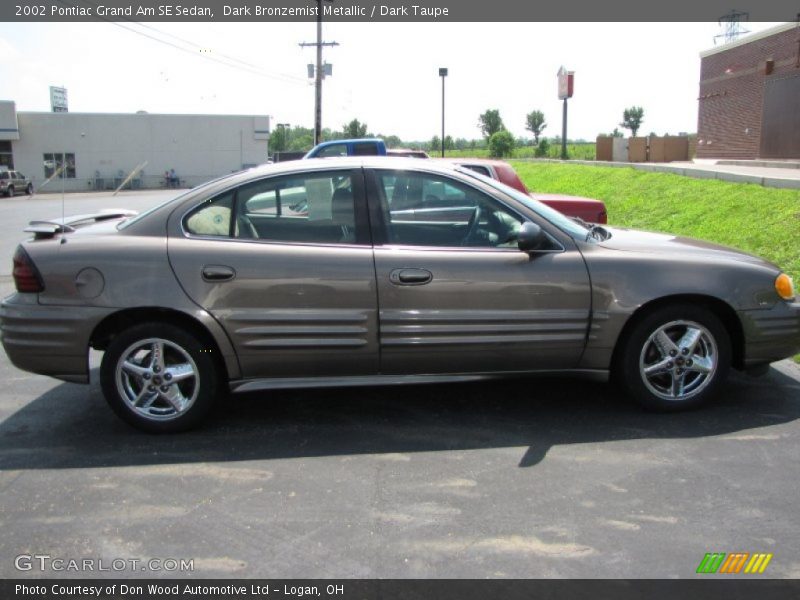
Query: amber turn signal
point(784, 286)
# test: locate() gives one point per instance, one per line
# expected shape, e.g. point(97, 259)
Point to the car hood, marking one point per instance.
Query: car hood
point(647, 242)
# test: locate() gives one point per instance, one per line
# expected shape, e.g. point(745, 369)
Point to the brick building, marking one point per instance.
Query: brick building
point(749, 103)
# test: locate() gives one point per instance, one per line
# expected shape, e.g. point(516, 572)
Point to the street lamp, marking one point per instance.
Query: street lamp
point(442, 74)
point(286, 130)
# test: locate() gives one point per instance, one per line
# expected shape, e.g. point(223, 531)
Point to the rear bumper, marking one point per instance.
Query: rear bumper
point(48, 340)
point(771, 334)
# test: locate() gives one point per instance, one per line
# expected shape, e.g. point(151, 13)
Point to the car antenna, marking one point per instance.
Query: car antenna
point(63, 211)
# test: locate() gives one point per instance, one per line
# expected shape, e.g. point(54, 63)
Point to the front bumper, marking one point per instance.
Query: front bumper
point(48, 340)
point(771, 334)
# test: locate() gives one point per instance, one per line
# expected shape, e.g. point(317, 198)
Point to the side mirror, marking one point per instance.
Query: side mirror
point(531, 237)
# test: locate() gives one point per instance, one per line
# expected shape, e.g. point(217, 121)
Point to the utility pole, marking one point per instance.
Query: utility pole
point(443, 74)
point(318, 74)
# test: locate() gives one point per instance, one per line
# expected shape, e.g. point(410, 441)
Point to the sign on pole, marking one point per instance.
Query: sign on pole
point(566, 81)
point(566, 84)
point(58, 99)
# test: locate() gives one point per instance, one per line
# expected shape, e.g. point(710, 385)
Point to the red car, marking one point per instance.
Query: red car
point(588, 209)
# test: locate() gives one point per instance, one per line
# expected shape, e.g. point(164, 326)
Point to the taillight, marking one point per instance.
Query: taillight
point(26, 277)
point(602, 218)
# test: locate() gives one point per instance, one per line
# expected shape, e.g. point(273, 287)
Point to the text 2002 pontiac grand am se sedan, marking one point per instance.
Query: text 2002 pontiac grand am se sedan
point(394, 271)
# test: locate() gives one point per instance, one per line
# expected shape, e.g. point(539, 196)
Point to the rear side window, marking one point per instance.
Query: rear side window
point(478, 169)
point(4, 175)
point(212, 218)
point(308, 208)
point(365, 149)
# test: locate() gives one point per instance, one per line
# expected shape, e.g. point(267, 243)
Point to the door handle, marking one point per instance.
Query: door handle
point(216, 273)
point(410, 277)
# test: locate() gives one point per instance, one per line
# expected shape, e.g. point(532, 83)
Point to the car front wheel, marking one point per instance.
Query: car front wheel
point(159, 378)
point(10, 191)
point(675, 358)
point(29, 189)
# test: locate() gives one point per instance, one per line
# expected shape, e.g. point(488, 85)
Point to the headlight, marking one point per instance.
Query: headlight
point(784, 286)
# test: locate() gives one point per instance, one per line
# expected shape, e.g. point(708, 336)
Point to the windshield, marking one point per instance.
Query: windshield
point(563, 222)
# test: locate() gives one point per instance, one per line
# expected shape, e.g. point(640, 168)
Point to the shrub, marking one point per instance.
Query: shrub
point(543, 149)
point(501, 144)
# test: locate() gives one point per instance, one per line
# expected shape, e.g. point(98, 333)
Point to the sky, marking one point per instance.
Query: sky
point(384, 74)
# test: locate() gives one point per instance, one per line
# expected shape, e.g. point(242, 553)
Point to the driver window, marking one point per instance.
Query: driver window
point(425, 209)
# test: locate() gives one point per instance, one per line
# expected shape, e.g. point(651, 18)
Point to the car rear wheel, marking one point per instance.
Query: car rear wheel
point(10, 191)
point(159, 378)
point(675, 358)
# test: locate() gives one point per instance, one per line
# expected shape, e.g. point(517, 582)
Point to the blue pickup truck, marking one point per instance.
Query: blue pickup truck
point(360, 147)
point(356, 147)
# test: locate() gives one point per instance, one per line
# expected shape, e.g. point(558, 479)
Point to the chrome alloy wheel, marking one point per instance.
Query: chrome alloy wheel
point(678, 360)
point(157, 379)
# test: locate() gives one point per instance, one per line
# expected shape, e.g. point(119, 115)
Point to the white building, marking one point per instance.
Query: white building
point(101, 149)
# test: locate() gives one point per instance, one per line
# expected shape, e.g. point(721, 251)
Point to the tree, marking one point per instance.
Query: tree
point(355, 129)
point(501, 144)
point(436, 143)
point(449, 144)
point(301, 142)
point(632, 119)
point(542, 149)
point(392, 141)
point(535, 123)
point(277, 140)
point(490, 123)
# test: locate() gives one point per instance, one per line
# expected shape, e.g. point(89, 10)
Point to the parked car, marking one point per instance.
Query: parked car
point(397, 271)
point(407, 152)
point(14, 182)
point(588, 209)
point(360, 147)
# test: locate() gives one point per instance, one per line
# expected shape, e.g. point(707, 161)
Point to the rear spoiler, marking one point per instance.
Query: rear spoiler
point(48, 229)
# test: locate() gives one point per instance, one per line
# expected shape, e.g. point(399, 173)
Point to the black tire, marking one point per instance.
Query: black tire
point(145, 392)
point(10, 191)
point(671, 377)
point(29, 189)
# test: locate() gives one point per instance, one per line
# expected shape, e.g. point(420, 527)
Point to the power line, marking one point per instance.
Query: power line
point(243, 66)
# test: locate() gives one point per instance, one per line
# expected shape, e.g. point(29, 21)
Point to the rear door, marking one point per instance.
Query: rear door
point(285, 265)
point(455, 293)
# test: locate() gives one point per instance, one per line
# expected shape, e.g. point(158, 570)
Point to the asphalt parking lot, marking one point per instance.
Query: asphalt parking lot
point(522, 478)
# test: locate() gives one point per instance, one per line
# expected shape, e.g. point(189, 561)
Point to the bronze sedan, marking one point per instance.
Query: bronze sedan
point(380, 270)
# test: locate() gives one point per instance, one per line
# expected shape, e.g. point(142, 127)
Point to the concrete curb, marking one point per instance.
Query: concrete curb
point(697, 172)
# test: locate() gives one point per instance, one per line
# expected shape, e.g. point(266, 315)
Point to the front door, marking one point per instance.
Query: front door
point(285, 265)
point(456, 295)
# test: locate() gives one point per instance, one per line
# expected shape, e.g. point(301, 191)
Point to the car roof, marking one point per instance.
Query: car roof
point(353, 162)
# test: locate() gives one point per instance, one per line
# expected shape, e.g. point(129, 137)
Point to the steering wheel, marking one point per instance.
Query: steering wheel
point(472, 226)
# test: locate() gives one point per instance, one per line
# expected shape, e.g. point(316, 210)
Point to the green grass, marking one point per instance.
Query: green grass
point(759, 220)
